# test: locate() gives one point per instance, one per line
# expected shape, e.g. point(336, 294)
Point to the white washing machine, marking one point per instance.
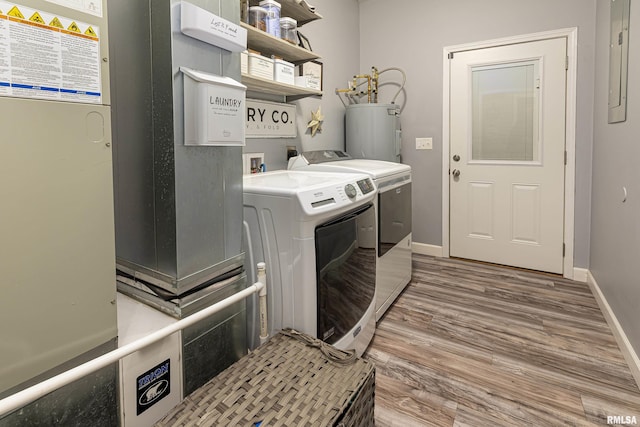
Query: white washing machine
point(316, 233)
point(393, 203)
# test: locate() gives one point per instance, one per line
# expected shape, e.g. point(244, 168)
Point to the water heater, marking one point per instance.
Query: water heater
point(373, 131)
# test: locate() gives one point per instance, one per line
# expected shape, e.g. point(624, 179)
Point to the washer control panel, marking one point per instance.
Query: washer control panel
point(350, 191)
point(366, 186)
point(337, 195)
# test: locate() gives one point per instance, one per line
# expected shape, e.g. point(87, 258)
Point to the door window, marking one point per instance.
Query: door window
point(505, 112)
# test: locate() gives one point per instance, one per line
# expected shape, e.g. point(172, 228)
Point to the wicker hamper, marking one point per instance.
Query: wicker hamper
point(292, 380)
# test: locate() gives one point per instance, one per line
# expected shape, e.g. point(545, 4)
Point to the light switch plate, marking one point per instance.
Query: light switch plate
point(424, 143)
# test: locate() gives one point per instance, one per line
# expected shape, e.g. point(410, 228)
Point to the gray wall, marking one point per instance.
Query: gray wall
point(615, 229)
point(411, 34)
point(335, 39)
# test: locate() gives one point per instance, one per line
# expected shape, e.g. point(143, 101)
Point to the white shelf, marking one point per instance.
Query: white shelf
point(268, 45)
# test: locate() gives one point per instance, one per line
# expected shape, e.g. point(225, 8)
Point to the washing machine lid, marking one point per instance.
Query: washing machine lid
point(338, 161)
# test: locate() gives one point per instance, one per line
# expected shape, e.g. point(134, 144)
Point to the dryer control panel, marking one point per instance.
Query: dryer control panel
point(322, 156)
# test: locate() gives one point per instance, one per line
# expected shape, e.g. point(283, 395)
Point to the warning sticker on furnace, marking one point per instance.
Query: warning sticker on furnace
point(57, 61)
point(55, 22)
point(15, 12)
point(37, 18)
point(74, 27)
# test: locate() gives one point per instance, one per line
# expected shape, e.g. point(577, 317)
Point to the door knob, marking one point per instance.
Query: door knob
point(456, 158)
point(455, 173)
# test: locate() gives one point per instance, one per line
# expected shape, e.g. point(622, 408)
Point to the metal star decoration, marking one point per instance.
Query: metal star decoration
point(316, 122)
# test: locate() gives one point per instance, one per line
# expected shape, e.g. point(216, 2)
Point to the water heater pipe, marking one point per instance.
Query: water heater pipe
point(404, 80)
point(372, 81)
point(364, 76)
point(28, 395)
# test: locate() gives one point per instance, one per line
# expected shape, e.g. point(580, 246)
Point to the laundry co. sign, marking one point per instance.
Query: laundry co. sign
point(270, 120)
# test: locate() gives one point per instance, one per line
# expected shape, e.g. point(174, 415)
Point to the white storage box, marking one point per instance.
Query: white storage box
point(214, 109)
point(309, 82)
point(244, 62)
point(284, 72)
point(311, 68)
point(205, 26)
point(260, 66)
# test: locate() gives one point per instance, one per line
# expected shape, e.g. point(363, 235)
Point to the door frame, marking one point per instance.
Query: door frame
point(571, 34)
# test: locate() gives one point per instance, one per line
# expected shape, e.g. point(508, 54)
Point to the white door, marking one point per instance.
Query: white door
point(507, 154)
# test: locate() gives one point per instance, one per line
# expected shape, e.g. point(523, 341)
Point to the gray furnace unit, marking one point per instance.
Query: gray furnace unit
point(57, 308)
point(178, 208)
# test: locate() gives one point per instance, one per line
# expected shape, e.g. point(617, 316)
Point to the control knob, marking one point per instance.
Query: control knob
point(350, 190)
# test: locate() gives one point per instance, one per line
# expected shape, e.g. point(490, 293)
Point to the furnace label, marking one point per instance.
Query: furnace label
point(152, 386)
point(47, 56)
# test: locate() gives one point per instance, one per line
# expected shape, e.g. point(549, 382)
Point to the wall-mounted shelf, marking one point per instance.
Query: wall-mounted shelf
point(276, 88)
point(268, 45)
point(298, 10)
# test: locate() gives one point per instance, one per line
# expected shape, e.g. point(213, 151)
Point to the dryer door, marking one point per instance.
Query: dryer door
point(346, 272)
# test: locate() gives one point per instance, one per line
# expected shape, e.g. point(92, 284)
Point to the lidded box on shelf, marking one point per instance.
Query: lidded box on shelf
point(309, 82)
point(260, 66)
point(244, 62)
point(284, 72)
point(312, 73)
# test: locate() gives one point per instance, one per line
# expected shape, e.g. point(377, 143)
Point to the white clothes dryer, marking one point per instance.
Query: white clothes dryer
point(316, 233)
point(393, 204)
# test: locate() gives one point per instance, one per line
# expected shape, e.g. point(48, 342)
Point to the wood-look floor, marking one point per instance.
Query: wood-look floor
point(471, 344)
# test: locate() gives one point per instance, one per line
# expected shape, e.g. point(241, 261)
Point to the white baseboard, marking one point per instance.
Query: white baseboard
point(623, 342)
point(424, 249)
point(580, 274)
